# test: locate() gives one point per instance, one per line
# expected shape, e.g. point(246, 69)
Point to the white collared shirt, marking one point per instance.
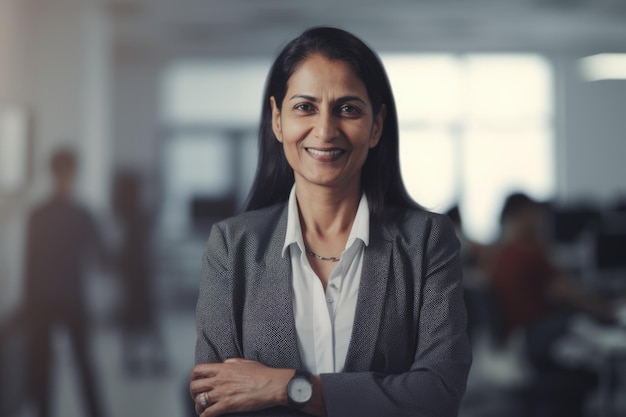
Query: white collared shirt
point(324, 320)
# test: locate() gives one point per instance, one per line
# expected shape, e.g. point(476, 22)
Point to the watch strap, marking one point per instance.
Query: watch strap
point(303, 373)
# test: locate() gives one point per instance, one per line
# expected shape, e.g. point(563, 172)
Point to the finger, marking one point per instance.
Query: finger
point(203, 401)
point(237, 360)
point(199, 386)
point(204, 412)
point(207, 398)
point(214, 410)
point(217, 409)
point(198, 405)
point(204, 370)
point(194, 390)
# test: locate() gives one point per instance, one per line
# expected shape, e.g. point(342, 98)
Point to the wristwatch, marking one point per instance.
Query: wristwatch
point(299, 389)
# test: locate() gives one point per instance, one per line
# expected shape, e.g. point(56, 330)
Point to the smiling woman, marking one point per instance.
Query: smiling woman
point(326, 124)
point(335, 293)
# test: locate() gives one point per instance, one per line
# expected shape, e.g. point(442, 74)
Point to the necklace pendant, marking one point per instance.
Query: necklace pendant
point(321, 258)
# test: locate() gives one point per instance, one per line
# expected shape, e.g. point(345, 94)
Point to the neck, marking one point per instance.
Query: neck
point(326, 217)
point(323, 210)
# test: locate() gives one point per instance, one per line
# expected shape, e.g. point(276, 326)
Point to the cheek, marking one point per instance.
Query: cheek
point(367, 138)
point(293, 134)
point(290, 147)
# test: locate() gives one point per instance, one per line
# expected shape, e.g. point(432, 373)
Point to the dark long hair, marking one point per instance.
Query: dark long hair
point(380, 175)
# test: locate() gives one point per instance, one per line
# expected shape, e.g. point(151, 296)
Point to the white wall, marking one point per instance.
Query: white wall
point(592, 136)
point(136, 126)
point(10, 84)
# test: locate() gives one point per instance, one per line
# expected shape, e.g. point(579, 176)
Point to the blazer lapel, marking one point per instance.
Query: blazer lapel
point(276, 286)
point(371, 300)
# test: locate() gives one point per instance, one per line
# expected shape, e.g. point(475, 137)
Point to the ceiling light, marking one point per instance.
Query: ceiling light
point(603, 67)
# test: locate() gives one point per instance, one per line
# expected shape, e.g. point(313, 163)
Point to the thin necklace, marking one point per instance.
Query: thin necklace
point(321, 258)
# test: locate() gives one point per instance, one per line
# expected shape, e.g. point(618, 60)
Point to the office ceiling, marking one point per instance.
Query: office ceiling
point(260, 27)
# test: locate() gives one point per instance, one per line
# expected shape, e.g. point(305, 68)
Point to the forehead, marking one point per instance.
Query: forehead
point(323, 75)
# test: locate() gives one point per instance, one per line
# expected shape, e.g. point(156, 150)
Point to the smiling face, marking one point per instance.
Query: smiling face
point(326, 124)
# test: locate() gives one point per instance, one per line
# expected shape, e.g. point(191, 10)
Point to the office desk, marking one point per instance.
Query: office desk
point(599, 347)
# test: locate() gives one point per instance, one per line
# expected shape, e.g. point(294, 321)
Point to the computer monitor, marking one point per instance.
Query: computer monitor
point(568, 223)
point(610, 250)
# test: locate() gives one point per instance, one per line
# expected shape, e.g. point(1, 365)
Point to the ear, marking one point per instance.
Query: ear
point(377, 128)
point(276, 126)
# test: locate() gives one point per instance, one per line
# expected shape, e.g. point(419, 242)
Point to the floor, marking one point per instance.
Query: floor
point(163, 395)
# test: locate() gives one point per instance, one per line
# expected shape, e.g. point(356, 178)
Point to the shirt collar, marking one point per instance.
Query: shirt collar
point(360, 227)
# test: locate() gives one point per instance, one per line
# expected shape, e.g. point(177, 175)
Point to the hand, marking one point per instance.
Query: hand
point(238, 385)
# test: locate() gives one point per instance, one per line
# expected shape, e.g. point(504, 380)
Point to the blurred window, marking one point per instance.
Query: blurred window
point(474, 128)
point(196, 165)
point(210, 110)
point(213, 92)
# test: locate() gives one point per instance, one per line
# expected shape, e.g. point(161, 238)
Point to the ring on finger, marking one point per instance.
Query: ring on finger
point(202, 398)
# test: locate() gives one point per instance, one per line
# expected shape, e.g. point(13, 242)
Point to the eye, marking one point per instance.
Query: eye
point(303, 107)
point(350, 110)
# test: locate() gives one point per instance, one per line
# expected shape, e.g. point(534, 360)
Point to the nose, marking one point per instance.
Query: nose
point(326, 126)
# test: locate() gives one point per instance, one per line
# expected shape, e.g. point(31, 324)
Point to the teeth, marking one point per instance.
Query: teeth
point(333, 152)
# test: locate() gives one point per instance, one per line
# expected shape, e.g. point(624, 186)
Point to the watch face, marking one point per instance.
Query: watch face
point(300, 390)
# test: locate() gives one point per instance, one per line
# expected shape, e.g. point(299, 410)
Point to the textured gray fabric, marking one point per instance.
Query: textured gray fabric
point(409, 354)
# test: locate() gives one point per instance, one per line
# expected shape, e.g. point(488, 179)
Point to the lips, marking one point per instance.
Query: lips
point(325, 154)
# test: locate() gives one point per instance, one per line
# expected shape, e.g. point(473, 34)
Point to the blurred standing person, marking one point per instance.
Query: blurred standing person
point(536, 297)
point(139, 322)
point(61, 236)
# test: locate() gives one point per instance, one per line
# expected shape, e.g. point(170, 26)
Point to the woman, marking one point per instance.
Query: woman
point(334, 294)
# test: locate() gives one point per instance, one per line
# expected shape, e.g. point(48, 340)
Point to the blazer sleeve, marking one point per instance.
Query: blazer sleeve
point(219, 310)
point(216, 327)
point(435, 383)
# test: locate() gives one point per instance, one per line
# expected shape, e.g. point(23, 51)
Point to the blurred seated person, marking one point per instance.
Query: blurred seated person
point(534, 296)
point(475, 291)
point(470, 250)
point(475, 256)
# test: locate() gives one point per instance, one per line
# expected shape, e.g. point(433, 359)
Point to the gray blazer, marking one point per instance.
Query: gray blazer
point(409, 354)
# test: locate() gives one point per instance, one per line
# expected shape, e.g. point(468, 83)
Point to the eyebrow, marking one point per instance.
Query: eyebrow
point(339, 100)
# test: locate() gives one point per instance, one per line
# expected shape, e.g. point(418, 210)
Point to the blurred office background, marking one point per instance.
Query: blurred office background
point(494, 96)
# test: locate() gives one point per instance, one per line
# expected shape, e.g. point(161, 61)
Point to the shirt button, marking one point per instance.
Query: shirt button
point(329, 299)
